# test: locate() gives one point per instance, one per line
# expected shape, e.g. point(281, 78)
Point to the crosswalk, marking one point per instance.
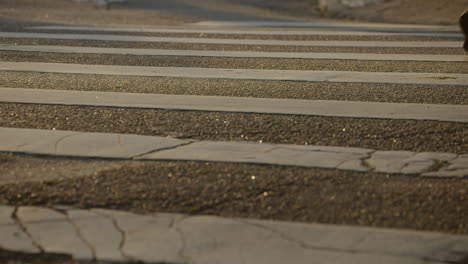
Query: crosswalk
point(288, 28)
point(440, 112)
point(283, 106)
point(243, 74)
point(49, 50)
point(270, 31)
point(235, 54)
point(244, 42)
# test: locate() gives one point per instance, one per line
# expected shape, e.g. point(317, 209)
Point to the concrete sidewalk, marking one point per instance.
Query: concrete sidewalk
point(117, 236)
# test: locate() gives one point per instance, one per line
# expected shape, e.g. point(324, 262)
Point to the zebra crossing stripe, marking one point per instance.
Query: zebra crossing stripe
point(159, 238)
point(376, 27)
point(248, 32)
point(256, 42)
point(236, 54)
point(242, 74)
point(128, 146)
point(442, 112)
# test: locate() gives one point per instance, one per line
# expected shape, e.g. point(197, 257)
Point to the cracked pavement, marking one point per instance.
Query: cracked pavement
point(103, 145)
point(360, 179)
point(116, 236)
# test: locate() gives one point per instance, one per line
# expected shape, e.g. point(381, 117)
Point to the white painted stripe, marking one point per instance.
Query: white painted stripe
point(332, 25)
point(127, 146)
point(106, 145)
point(242, 74)
point(236, 54)
point(72, 143)
point(443, 112)
point(271, 32)
point(159, 237)
point(257, 42)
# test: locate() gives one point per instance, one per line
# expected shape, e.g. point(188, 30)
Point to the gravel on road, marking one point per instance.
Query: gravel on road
point(254, 191)
point(391, 93)
point(378, 134)
point(237, 63)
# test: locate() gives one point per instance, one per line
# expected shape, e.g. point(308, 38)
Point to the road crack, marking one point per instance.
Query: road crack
point(79, 234)
point(140, 156)
point(122, 234)
point(23, 228)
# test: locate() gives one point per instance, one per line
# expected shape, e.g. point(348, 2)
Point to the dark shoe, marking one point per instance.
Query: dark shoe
point(464, 26)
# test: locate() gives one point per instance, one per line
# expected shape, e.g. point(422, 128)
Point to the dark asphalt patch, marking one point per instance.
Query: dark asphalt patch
point(264, 192)
point(391, 93)
point(378, 134)
point(238, 63)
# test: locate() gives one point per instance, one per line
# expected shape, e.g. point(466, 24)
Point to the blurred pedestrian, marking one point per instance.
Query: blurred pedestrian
point(464, 26)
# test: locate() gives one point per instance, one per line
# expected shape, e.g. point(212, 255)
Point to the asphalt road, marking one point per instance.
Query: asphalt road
point(390, 93)
point(266, 192)
point(231, 47)
point(281, 193)
point(238, 63)
point(325, 131)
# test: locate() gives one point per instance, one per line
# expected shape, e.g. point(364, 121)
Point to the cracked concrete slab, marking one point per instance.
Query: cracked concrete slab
point(353, 165)
point(389, 161)
point(6, 215)
point(12, 236)
point(436, 156)
point(103, 145)
point(460, 162)
point(216, 240)
point(406, 162)
point(243, 74)
point(105, 246)
point(174, 238)
point(81, 144)
point(255, 42)
point(256, 153)
point(430, 246)
point(148, 239)
point(437, 112)
point(243, 243)
point(53, 232)
point(458, 167)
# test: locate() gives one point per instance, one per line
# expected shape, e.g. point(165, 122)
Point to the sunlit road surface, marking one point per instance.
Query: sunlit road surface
point(347, 135)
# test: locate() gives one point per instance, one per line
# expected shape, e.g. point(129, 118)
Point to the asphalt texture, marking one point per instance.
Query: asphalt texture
point(249, 36)
point(392, 93)
point(237, 63)
point(232, 47)
point(228, 189)
point(352, 132)
point(263, 192)
point(36, 170)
